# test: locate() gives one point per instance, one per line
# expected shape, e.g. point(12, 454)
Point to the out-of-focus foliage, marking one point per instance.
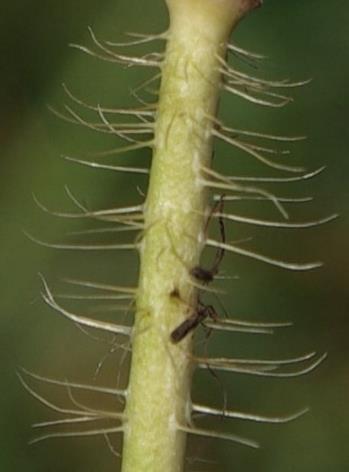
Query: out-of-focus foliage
point(301, 40)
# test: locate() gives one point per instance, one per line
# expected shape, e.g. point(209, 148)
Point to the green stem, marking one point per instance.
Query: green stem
point(158, 399)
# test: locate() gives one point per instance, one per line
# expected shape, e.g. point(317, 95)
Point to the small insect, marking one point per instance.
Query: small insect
point(201, 313)
point(205, 276)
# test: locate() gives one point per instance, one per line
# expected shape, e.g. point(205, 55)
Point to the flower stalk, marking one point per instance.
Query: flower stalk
point(173, 221)
point(158, 402)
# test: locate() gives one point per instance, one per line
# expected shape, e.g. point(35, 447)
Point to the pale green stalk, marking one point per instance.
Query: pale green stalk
point(158, 398)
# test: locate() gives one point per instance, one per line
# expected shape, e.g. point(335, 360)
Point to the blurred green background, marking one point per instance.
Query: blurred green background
point(302, 39)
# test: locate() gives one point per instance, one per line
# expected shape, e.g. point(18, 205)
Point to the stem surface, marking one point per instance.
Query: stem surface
point(176, 210)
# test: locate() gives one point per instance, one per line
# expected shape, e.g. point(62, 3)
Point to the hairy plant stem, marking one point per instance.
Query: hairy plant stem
point(158, 399)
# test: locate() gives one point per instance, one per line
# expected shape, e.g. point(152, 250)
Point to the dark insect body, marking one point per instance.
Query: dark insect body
point(201, 313)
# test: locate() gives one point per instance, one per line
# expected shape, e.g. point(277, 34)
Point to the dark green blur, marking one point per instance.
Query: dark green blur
point(302, 39)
